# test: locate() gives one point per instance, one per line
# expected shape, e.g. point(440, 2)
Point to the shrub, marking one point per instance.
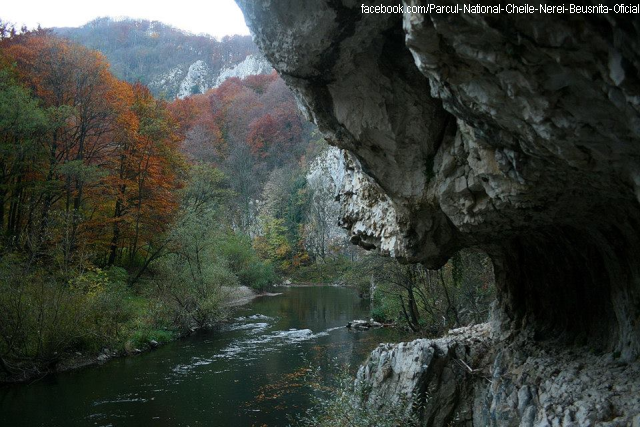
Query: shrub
point(379, 315)
point(258, 275)
point(245, 263)
point(343, 404)
point(141, 338)
point(190, 289)
point(44, 315)
point(432, 301)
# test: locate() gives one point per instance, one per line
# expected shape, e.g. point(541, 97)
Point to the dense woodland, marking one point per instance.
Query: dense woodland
point(151, 52)
point(127, 219)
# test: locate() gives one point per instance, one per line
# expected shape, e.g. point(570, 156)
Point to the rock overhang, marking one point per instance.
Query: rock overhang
point(516, 134)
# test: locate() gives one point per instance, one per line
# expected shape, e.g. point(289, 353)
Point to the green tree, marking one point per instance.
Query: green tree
point(273, 244)
point(23, 122)
point(427, 301)
point(193, 274)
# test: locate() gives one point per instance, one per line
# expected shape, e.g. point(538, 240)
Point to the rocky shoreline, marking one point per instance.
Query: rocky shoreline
point(473, 376)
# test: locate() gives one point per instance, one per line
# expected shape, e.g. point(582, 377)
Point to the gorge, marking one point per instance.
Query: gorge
point(514, 134)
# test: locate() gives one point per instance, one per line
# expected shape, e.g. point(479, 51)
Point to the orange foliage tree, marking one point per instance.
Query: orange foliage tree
point(108, 163)
point(144, 169)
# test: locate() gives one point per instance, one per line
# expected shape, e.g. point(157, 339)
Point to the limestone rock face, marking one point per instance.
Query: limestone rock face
point(534, 385)
point(251, 66)
point(196, 78)
point(469, 379)
point(432, 377)
point(517, 134)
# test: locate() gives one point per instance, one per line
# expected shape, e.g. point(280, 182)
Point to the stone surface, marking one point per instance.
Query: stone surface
point(195, 80)
point(433, 377)
point(537, 384)
point(252, 65)
point(364, 324)
point(468, 378)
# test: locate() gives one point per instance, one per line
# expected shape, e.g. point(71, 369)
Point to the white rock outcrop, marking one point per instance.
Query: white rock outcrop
point(463, 379)
point(252, 65)
point(195, 81)
point(200, 77)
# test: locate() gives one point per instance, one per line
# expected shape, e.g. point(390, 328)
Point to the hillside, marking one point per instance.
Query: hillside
point(171, 62)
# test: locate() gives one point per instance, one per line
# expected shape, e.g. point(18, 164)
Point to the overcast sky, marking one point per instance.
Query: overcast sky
point(215, 17)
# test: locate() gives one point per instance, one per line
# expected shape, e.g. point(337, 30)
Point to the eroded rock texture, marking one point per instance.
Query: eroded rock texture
point(517, 134)
point(469, 379)
point(431, 377)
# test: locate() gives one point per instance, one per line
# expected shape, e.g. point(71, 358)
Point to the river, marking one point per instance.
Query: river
point(249, 372)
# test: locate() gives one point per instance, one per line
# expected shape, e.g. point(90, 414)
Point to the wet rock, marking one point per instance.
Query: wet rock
point(364, 324)
point(153, 344)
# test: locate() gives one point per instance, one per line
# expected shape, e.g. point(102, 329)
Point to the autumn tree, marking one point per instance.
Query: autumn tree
point(108, 164)
point(199, 128)
point(76, 87)
point(144, 172)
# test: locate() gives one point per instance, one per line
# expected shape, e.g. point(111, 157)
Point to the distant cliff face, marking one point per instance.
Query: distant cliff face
point(174, 64)
point(516, 134)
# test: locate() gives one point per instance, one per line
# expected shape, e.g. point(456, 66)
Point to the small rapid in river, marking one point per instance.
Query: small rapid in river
point(251, 371)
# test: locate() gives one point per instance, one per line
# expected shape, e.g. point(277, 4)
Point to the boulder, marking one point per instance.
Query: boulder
point(364, 324)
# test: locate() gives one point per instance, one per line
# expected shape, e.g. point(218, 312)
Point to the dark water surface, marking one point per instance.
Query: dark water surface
point(250, 372)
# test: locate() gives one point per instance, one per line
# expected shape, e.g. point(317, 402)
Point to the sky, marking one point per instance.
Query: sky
point(215, 17)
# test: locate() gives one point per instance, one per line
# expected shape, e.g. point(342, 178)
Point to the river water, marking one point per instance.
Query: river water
point(250, 372)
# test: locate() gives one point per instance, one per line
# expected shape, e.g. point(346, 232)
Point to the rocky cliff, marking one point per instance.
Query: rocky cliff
point(517, 134)
point(251, 66)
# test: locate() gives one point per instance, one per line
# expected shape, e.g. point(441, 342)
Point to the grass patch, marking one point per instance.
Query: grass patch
point(141, 338)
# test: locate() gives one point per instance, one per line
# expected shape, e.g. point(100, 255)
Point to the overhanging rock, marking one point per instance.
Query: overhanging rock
point(517, 134)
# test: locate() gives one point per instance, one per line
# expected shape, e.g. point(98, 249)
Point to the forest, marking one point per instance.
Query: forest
point(127, 220)
point(156, 54)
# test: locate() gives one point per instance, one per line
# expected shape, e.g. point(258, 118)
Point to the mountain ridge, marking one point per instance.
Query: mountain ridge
point(172, 62)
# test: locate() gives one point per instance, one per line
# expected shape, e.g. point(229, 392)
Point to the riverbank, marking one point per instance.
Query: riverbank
point(234, 297)
point(252, 370)
point(243, 295)
point(308, 285)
